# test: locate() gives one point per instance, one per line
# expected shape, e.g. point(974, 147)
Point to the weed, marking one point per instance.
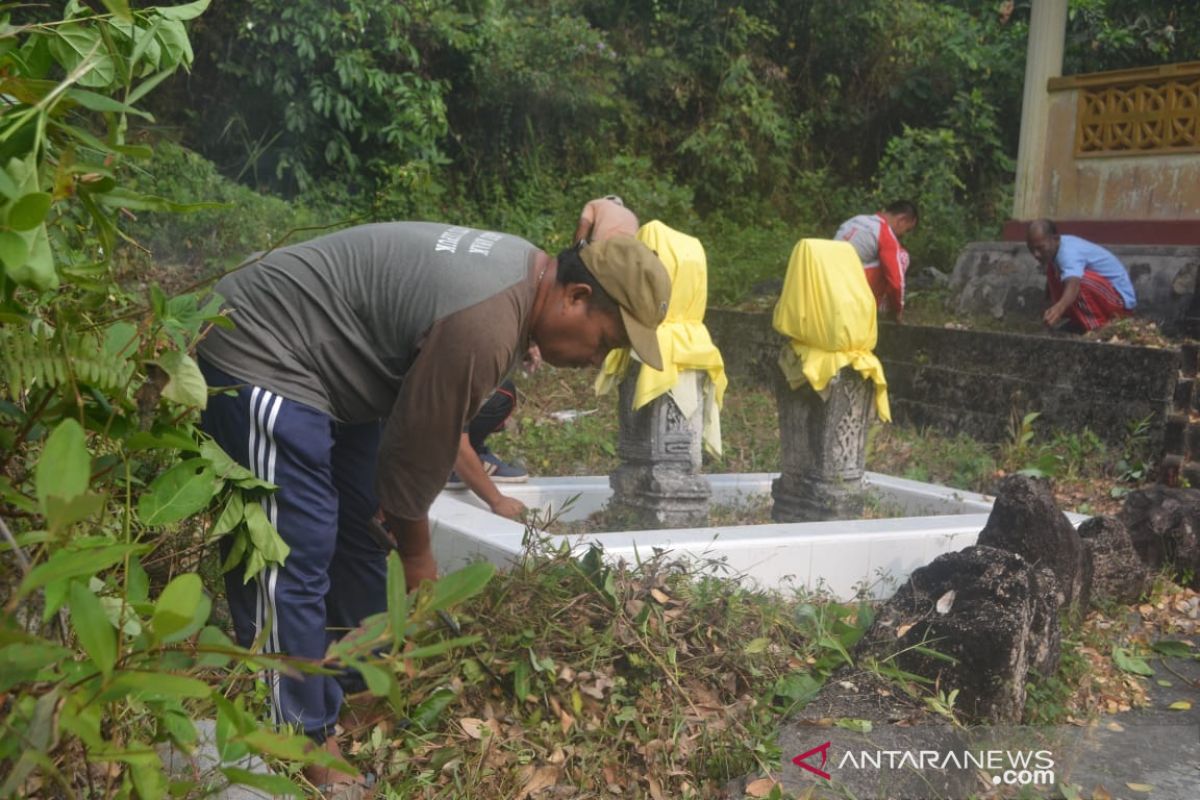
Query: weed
point(1048, 698)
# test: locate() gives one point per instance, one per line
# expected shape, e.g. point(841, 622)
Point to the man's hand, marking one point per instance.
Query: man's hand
point(532, 360)
point(415, 548)
point(510, 507)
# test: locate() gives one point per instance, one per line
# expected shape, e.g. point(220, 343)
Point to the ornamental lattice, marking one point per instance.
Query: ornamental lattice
point(1152, 117)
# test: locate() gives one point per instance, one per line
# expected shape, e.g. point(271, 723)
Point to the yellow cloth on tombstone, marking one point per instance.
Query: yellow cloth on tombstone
point(682, 337)
point(827, 310)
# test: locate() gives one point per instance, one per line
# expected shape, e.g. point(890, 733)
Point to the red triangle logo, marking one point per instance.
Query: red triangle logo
point(802, 760)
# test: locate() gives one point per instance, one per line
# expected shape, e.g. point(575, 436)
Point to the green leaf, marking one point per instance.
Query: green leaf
point(121, 197)
point(94, 631)
point(25, 661)
point(76, 43)
point(30, 211)
point(291, 747)
point(166, 439)
point(94, 101)
point(176, 47)
point(184, 12)
point(263, 536)
point(427, 713)
point(215, 638)
point(226, 468)
point(182, 608)
point(119, 9)
point(274, 785)
point(397, 599)
point(183, 490)
point(64, 467)
point(458, 586)
point(1130, 663)
point(758, 645)
point(186, 385)
point(14, 251)
point(154, 685)
point(232, 515)
point(521, 675)
point(1174, 648)
point(798, 687)
point(856, 725)
point(61, 514)
point(39, 269)
point(137, 582)
point(145, 86)
point(378, 680)
point(445, 646)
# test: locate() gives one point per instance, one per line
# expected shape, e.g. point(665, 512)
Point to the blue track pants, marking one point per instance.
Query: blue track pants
point(336, 574)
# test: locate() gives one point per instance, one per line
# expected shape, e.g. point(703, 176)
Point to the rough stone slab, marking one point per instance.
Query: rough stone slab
point(1118, 574)
point(986, 609)
point(1026, 520)
point(1164, 527)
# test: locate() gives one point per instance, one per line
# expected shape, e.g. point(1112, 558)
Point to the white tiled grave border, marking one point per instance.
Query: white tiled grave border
point(842, 558)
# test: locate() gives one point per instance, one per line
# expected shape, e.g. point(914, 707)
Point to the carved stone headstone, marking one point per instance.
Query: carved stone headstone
point(659, 482)
point(824, 449)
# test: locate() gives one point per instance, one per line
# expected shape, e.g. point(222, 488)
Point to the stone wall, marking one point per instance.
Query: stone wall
point(975, 382)
point(1001, 278)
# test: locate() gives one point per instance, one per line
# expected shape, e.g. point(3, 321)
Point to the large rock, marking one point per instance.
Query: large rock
point(987, 615)
point(1164, 528)
point(1026, 520)
point(1118, 574)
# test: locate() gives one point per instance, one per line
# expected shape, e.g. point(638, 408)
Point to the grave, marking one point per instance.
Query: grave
point(842, 557)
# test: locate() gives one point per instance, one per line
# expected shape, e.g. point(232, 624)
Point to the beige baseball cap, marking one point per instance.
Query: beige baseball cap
point(633, 276)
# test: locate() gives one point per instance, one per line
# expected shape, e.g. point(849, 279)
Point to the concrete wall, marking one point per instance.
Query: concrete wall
point(974, 382)
point(1133, 187)
point(1001, 278)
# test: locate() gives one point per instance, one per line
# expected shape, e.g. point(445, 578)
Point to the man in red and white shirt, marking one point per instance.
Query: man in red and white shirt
point(876, 239)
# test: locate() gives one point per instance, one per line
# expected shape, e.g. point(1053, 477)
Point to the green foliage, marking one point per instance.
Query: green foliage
point(1117, 34)
point(210, 239)
point(102, 469)
point(331, 88)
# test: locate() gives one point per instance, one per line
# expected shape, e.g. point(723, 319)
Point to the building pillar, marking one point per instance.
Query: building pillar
point(658, 482)
point(1043, 61)
point(823, 443)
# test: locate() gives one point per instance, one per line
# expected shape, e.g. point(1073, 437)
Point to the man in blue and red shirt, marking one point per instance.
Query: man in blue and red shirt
point(1084, 282)
point(876, 239)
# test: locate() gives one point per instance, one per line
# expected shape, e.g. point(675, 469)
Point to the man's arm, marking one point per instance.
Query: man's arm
point(893, 260)
point(470, 469)
point(462, 358)
point(587, 218)
point(1070, 294)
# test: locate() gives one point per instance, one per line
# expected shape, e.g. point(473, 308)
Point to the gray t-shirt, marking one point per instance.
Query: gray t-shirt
point(413, 321)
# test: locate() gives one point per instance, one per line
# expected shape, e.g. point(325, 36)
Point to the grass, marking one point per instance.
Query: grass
point(645, 680)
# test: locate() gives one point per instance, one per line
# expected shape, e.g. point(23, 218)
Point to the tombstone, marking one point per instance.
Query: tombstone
point(658, 482)
point(823, 438)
